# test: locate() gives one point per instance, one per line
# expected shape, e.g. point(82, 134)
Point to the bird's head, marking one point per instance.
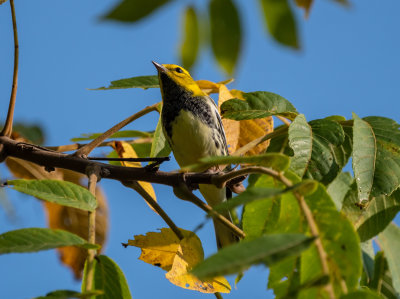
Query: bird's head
point(179, 76)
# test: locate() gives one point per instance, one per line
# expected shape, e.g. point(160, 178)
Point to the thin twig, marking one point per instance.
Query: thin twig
point(184, 193)
point(93, 173)
point(284, 120)
point(147, 197)
point(245, 148)
point(7, 130)
point(76, 146)
point(86, 149)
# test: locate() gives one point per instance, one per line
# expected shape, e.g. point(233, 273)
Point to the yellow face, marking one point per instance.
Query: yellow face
point(181, 76)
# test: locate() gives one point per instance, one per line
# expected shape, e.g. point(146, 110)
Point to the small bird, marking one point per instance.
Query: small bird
point(193, 129)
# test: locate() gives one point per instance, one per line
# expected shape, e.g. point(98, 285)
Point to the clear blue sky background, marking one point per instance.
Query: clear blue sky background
point(349, 62)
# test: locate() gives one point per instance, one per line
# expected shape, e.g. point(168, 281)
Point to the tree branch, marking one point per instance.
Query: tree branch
point(7, 130)
point(86, 149)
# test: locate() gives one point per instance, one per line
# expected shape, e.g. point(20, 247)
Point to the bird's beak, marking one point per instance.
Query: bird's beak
point(160, 68)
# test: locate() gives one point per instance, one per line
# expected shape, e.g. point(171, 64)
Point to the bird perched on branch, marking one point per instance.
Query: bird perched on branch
point(193, 128)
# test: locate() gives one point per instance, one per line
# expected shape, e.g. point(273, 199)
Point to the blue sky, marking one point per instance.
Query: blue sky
point(349, 62)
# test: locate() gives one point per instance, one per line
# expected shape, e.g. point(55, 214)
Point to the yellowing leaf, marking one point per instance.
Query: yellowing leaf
point(211, 87)
point(239, 133)
point(189, 254)
point(125, 150)
point(166, 251)
point(231, 127)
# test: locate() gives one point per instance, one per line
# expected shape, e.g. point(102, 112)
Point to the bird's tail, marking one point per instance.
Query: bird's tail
point(214, 196)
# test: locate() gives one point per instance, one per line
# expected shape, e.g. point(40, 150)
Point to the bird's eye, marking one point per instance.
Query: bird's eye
point(179, 70)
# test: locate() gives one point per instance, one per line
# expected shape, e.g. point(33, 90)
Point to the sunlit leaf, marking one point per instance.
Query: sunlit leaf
point(339, 188)
point(258, 104)
point(300, 140)
point(191, 38)
point(225, 33)
point(110, 279)
point(361, 294)
point(159, 146)
point(67, 294)
point(163, 249)
point(389, 241)
point(60, 192)
point(134, 10)
point(267, 249)
point(364, 151)
point(275, 161)
point(37, 239)
point(280, 22)
point(120, 134)
point(143, 82)
point(371, 218)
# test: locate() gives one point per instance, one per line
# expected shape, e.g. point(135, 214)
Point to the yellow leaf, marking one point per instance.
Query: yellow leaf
point(231, 127)
point(189, 254)
point(178, 257)
point(210, 87)
point(125, 150)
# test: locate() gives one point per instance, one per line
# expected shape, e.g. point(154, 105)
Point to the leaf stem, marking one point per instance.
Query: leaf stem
point(147, 197)
point(86, 149)
point(7, 130)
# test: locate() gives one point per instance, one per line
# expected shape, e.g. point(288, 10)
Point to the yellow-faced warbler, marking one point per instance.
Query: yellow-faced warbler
point(193, 128)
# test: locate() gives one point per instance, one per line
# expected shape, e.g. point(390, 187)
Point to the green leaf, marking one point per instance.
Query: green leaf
point(300, 140)
point(371, 218)
point(387, 165)
point(134, 10)
point(326, 163)
point(120, 134)
point(275, 161)
point(160, 146)
point(267, 249)
point(258, 104)
point(339, 188)
point(225, 33)
point(191, 38)
point(364, 151)
point(339, 240)
point(60, 192)
point(281, 22)
point(109, 278)
point(143, 82)
point(67, 294)
point(389, 242)
point(380, 266)
point(37, 239)
point(361, 294)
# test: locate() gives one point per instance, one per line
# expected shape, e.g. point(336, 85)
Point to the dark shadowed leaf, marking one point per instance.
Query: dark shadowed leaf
point(134, 10)
point(225, 33)
point(60, 192)
point(300, 140)
point(389, 242)
point(364, 151)
point(267, 249)
point(144, 82)
point(37, 239)
point(31, 132)
point(109, 278)
point(191, 38)
point(280, 21)
point(258, 104)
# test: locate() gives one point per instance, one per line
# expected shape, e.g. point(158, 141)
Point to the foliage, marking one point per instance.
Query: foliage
point(303, 216)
